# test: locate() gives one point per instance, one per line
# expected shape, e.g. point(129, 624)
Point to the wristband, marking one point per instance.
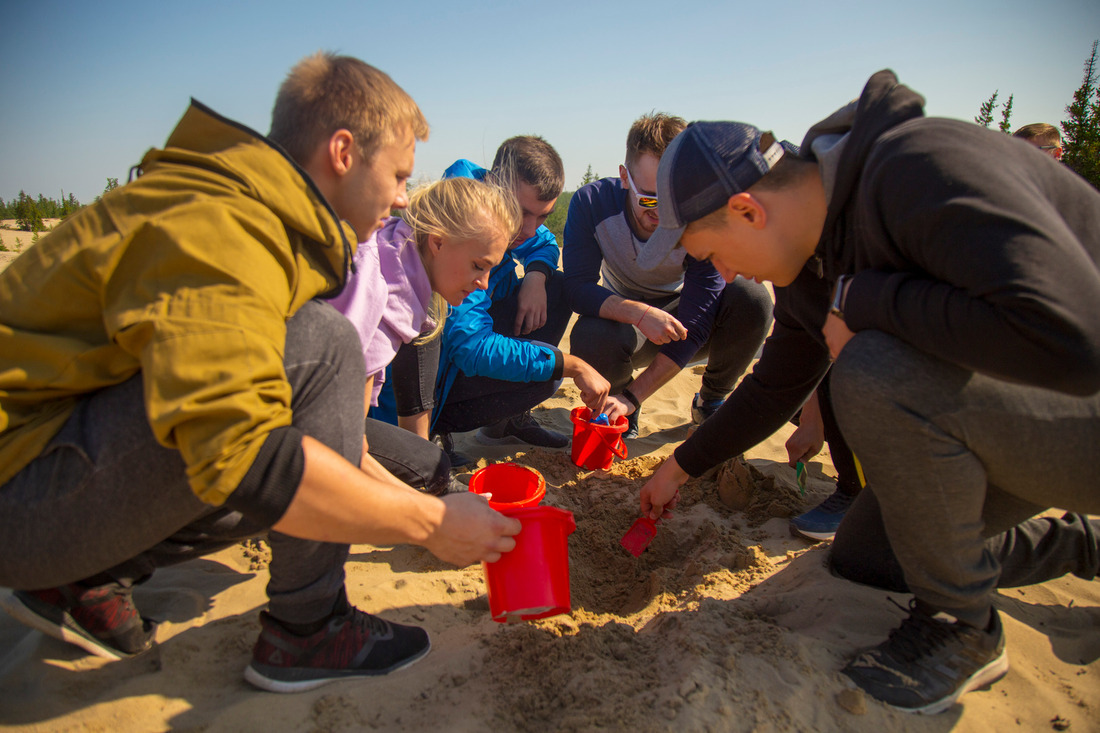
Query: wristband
point(631, 398)
point(643, 315)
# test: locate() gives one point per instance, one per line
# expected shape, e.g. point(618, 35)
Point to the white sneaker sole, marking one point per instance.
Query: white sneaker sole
point(258, 679)
point(27, 616)
point(987, 675)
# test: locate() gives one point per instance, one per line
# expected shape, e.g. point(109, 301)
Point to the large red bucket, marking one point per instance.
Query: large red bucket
point(595, 446)
point(532, 581)
point(510, 484)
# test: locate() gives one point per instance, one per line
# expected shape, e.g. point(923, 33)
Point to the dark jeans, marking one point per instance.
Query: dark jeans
point(474, 402)
point(106, 499)
point(616, 349)
point(413, 373)
point(417, 462)
point(956, 464)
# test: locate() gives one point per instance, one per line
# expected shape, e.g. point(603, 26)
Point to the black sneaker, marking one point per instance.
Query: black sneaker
point(702, 409)
point(929, 662)
point(352, 644)
point(631, 431)
point(523, 428)
point(102, 620)
point(447, 444)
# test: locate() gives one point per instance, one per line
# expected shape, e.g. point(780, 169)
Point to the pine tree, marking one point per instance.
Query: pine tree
point(1006, 112)
point(985, 114)
point(589, 176)
point(27, 214)
point(1081, 132)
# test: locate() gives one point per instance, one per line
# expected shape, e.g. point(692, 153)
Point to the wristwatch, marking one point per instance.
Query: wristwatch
point(837, 308)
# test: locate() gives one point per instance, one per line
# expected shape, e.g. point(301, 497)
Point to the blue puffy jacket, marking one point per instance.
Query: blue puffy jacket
point(469, 342)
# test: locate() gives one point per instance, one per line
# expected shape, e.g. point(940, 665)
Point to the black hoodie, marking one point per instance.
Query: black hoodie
point(969, 244)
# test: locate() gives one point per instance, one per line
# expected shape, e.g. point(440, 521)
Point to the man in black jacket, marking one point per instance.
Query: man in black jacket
point(952, 274)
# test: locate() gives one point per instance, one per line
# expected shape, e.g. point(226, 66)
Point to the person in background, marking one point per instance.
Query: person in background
point(1043, 136)
point(500, 354)
point(644, 303)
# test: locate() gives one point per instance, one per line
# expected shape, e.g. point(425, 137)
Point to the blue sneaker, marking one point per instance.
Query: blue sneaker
point(820, 523)
point(702, 409)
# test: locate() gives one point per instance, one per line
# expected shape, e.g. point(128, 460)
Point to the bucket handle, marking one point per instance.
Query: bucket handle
point(617, 446)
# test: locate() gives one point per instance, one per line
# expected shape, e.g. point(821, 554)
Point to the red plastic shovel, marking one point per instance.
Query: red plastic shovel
point(640, 534)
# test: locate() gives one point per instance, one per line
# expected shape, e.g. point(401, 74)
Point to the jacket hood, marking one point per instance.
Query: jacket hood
point(206, 140)
point(843, 141)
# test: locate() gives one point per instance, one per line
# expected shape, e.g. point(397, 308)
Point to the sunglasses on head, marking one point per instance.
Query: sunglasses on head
point(646, 201)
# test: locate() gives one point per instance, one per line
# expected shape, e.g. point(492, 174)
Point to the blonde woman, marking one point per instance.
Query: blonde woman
point(451, 235)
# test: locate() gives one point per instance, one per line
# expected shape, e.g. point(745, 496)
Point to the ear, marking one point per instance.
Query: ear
point(622, 176)
point(747, 209)
point(1057, 153)
point(341, 150)
point(435, 244)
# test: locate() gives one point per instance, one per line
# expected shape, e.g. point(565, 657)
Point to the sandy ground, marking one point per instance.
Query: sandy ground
point(14, 242)
point(726, 623)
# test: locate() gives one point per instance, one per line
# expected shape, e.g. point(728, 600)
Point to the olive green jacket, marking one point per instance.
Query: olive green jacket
point(188, 275)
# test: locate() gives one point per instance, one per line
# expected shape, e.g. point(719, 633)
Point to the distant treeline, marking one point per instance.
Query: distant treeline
point(29, 211)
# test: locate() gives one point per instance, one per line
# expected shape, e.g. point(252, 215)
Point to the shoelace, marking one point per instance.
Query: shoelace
point(373, 625)
point(837, 502)
point(526, 420)
point(918, 635)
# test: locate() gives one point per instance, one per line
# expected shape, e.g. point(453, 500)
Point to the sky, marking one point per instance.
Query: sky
point(87, 88)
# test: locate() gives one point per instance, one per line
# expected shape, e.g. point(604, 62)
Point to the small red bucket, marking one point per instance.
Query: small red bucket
point(532, 581)
point(595, 446)
point(511, 485)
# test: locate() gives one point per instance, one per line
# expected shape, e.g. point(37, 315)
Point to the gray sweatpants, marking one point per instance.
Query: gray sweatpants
point(105, 499)
point(952, 458)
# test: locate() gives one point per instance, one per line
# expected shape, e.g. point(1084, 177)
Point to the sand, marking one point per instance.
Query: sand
point(726, 623)
point(15, 241)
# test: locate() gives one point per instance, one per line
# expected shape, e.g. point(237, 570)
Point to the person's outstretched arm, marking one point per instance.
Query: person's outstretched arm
point(338, 502)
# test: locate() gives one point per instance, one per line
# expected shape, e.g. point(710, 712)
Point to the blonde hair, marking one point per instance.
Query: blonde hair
point(324, 93)
point(652, 133)
point(462, 208)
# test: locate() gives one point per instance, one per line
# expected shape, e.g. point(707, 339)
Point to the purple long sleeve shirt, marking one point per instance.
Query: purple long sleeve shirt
point(387, 298)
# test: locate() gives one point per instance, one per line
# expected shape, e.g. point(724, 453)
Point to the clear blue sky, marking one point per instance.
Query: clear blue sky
point(86, 88)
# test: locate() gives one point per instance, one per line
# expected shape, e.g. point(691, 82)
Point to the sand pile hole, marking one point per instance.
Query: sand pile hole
point(633, 619)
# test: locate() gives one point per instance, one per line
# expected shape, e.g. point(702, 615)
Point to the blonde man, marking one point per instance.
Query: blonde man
point(169, 386)
point(642, 301)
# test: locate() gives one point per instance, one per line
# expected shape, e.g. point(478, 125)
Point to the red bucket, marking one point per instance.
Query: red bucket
point(595, 446)
point(511, 485)
point(532, 581)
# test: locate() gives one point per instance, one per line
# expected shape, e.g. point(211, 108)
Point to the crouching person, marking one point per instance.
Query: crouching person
point(169, 386)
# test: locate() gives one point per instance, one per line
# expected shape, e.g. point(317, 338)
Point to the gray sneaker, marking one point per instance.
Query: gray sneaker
point(522, 428)
point(929, 662)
